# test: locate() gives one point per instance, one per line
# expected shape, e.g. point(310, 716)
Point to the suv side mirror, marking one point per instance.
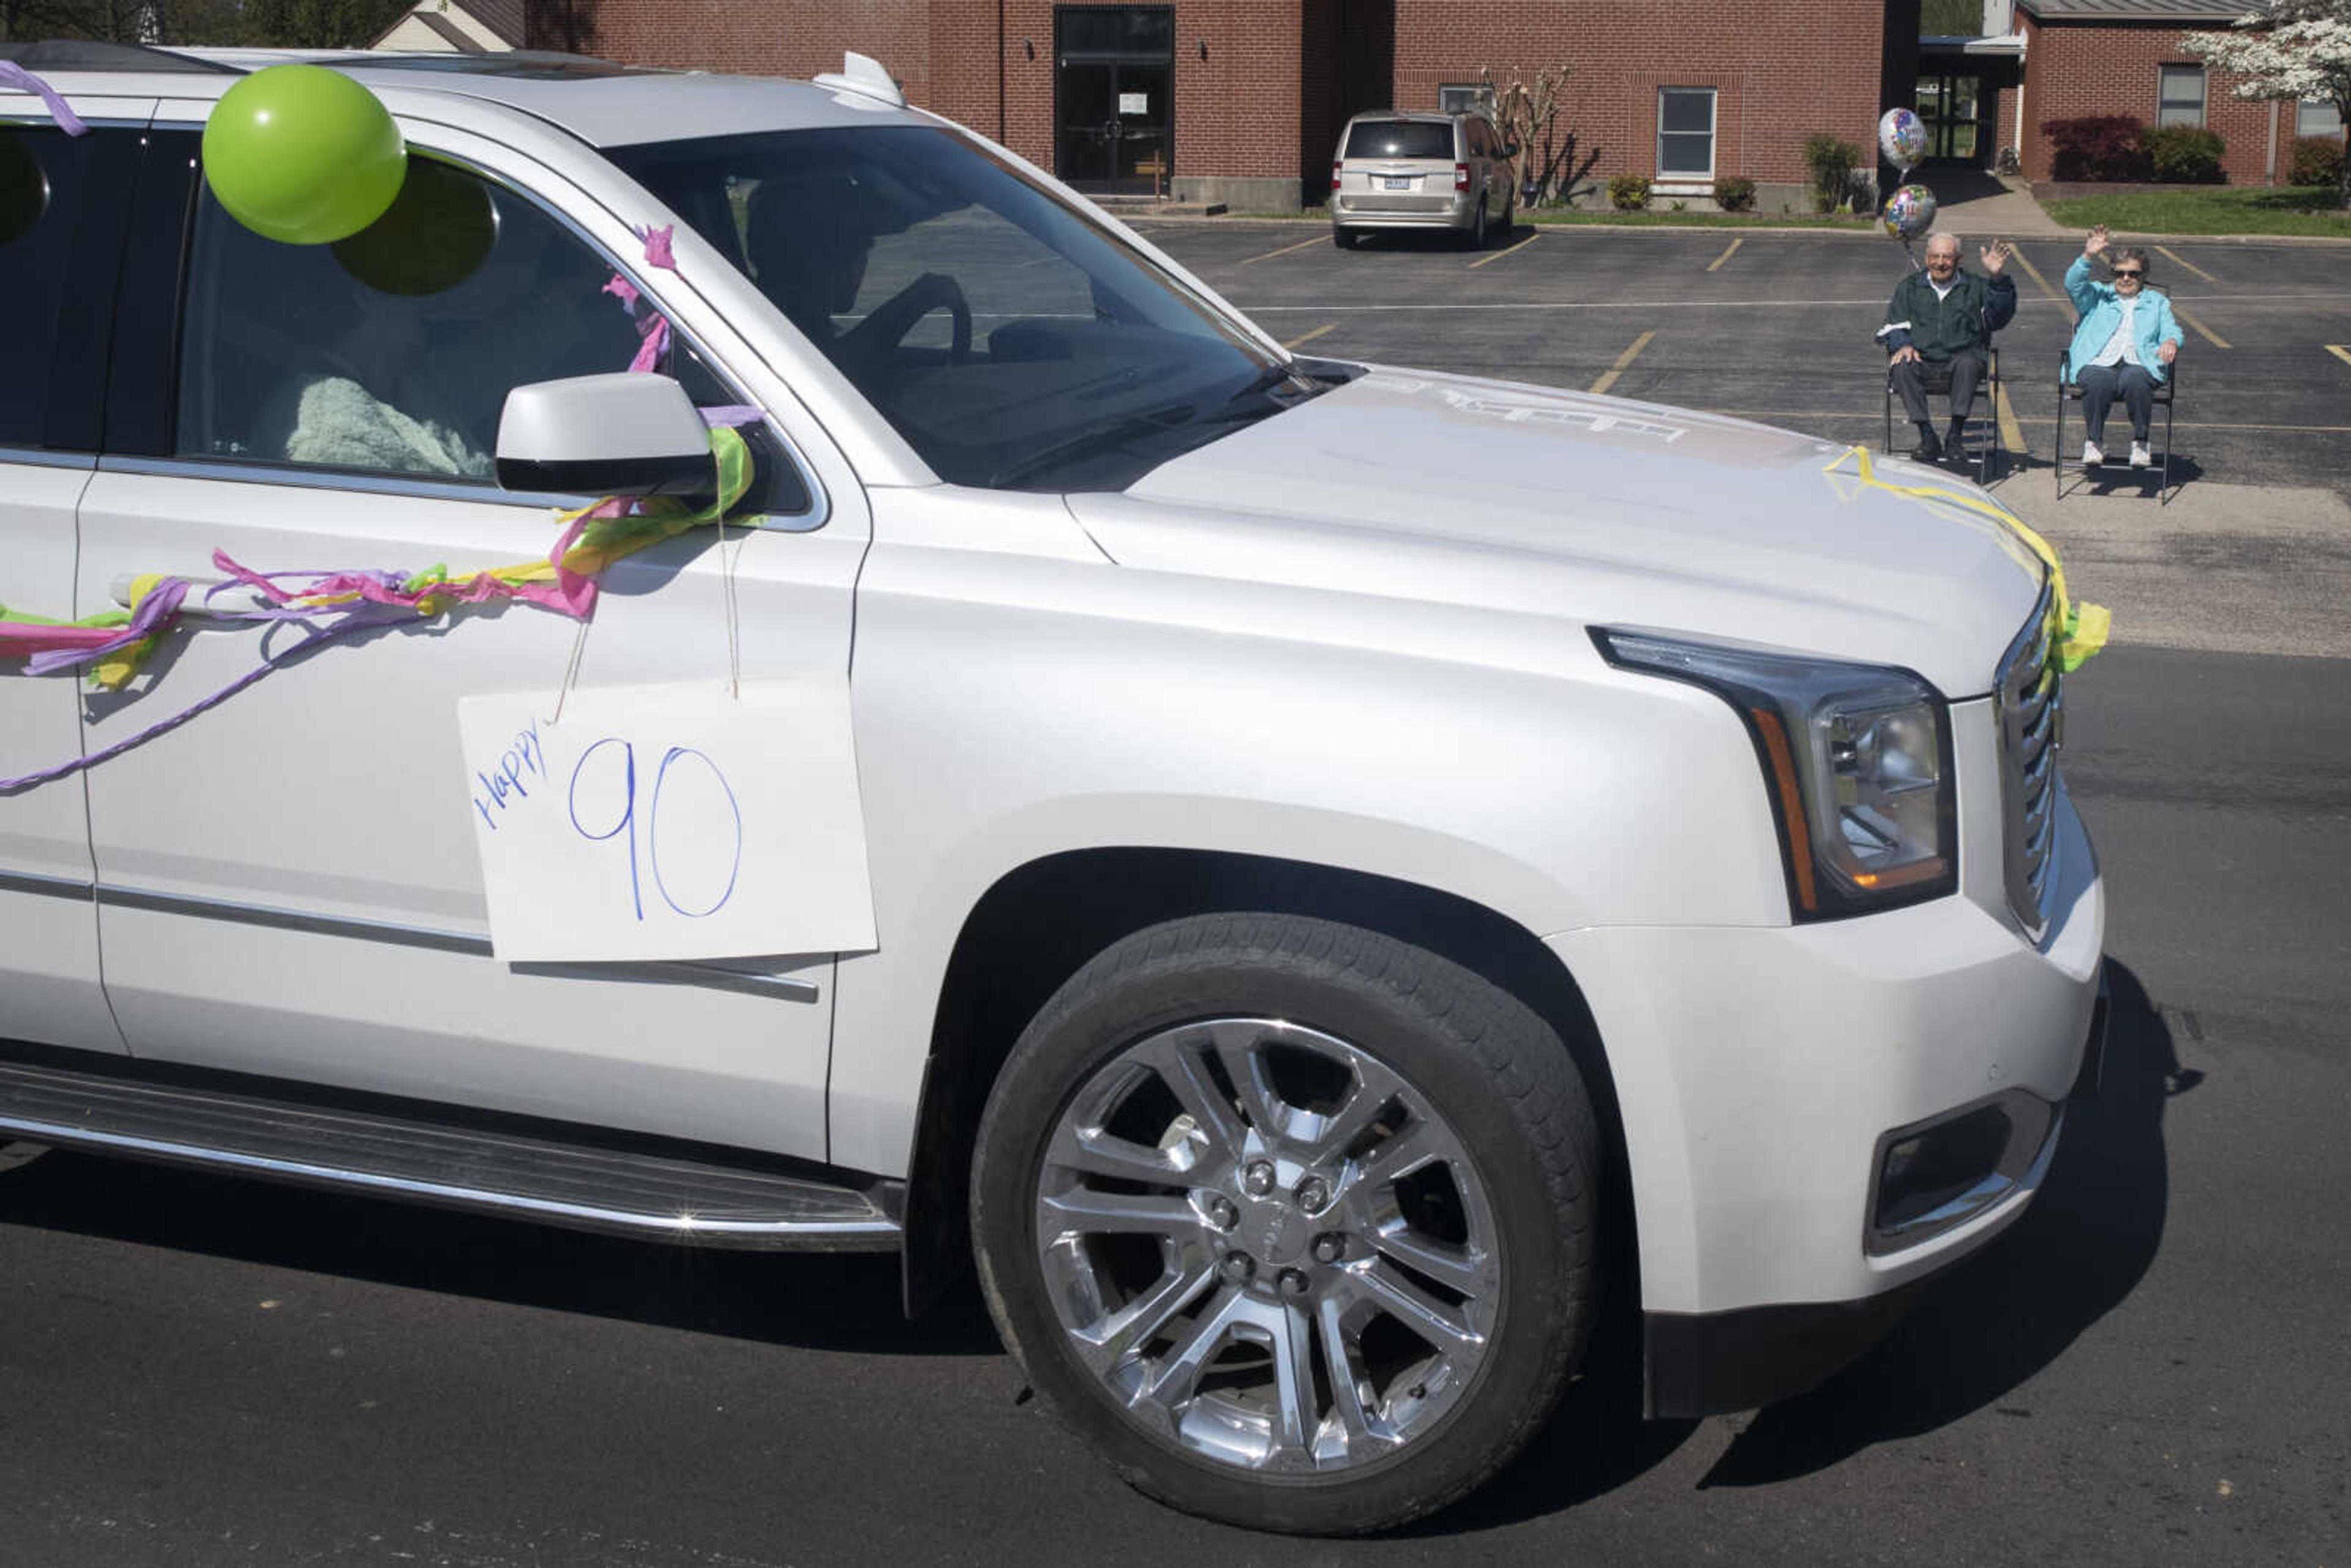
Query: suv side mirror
point(629, 433)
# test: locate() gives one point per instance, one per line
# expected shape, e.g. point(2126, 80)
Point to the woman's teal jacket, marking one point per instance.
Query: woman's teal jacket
point(2101, 311)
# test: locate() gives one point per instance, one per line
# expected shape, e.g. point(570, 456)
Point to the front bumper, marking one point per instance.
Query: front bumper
point(1763, 1074)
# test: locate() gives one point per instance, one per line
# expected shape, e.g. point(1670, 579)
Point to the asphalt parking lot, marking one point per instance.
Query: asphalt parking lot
point(1776, 327)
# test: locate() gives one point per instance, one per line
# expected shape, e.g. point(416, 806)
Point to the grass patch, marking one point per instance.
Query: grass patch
point(2222, 210)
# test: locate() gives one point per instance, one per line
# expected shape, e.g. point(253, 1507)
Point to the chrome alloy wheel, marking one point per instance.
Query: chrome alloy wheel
point(1267, 1246)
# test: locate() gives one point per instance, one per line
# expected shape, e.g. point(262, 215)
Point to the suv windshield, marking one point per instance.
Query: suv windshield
point(1400, 139)
point(1013, 342)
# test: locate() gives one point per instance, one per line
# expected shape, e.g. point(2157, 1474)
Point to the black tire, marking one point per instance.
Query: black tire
point(1476, 238)
point(1471, 1059)
point(1345, 239)
point(1510, 218)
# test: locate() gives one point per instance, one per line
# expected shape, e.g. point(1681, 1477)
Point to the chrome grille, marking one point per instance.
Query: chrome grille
point(2030, 703)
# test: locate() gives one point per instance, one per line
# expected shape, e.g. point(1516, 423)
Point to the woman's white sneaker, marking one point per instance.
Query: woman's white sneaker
point(2140, 456)
point(2091, 456)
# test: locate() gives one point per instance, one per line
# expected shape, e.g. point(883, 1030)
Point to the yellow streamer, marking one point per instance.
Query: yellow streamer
point(2081, 630)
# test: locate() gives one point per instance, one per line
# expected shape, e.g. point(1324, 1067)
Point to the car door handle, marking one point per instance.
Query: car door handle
point(234, 600)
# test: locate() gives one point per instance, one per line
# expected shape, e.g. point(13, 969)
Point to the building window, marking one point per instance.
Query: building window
point(1686, 134)
point(2319, 116)
point(1465, 98)
point(2179, 95)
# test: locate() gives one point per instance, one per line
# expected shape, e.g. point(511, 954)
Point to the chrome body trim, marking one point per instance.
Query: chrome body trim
point(2034, 1125)
point(685, 1226)
point(232, 471)
point(2029, 709)
point(46, 886)
point(789, 988)
point(35, 457)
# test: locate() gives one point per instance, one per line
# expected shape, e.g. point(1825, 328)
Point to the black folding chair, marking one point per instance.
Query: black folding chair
point(1982, 429)
point(2067, 391)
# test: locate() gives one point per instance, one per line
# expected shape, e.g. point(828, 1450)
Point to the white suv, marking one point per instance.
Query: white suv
point(1324, 924)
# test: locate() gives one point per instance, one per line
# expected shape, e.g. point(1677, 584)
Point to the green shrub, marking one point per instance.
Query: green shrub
point(2317, 161)
point(1735, 194)
point(2185, 154)
point(1831, 160)
point(2097, 147)
point(1629, 193)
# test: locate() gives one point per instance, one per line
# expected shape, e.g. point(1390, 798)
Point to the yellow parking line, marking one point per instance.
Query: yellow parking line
point(2012, 435)
point(2218, 340)
point(1514, 249)
point(2035, 273)
point(2341, 351)
point(2191, 266)
point(1285, 250)
point(1310, 337)
point(1727, 255)
point(1608, 377)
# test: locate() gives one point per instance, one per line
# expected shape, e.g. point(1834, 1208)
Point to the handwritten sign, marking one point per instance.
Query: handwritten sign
point(669, 821)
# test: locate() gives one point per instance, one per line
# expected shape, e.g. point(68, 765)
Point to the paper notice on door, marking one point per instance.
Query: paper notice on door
point(1134, 103)
point(669, 821)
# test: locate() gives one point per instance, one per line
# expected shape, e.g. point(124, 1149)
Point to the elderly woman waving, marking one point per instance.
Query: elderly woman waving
point(2125, 344)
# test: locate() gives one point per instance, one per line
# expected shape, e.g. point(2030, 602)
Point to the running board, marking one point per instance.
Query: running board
point(580, 1186)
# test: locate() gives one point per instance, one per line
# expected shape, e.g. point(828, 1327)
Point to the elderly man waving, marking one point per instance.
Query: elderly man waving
point(1938, 332)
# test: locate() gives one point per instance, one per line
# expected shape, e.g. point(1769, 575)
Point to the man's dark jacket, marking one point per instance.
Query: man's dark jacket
point(1964, 320)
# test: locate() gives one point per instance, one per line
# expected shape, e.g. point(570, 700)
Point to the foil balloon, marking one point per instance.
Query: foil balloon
point(1902, 138)
point(1909, 212)
point(303, 155)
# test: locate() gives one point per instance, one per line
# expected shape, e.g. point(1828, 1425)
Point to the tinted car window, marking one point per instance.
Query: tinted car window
point(388, 357)
point(1400, 139)
point(44, 189)
point(1011, 340)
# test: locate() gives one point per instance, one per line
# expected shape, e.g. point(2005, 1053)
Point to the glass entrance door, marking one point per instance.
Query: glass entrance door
point(1952, 107)
point(1114, 98)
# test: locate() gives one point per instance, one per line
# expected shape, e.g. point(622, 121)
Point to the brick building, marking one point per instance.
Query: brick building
point(2130, 56)
point(1241, 101)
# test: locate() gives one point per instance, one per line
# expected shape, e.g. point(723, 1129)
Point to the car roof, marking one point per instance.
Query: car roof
point(1374, 116)
point(599, 101)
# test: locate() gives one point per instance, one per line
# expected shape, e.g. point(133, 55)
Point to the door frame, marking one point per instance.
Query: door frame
point(1111, 186)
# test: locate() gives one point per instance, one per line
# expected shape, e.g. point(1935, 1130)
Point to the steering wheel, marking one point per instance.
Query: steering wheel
point(886, 326)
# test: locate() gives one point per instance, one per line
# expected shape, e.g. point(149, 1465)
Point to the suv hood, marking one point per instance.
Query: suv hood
point(1425, 487)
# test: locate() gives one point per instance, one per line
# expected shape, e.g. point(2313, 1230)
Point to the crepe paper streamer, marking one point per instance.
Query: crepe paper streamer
point(659, 238)
point(732, 414)
point(15, 76)
point(2081, 629)
point(327, 605)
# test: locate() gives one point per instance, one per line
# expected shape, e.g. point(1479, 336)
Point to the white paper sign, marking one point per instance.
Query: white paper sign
point(1134, 103)
point(669, 821)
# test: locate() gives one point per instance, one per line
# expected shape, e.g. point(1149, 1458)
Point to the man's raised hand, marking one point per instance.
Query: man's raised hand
point(1995, 255)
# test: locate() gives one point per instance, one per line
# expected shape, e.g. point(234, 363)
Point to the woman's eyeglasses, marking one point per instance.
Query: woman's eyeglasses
point(2130, 271)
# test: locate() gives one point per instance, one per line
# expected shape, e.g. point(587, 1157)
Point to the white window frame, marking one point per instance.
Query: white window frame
point(2326, 106)
point(2165, 107)
point(1713, 136)
point(1465, 98)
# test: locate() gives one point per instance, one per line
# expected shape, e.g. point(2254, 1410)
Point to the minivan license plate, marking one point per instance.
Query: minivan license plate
point(1397, 183)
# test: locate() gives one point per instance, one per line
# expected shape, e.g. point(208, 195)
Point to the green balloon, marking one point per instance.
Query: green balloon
point(303, 155)
point(24, 188)
point(432, 238)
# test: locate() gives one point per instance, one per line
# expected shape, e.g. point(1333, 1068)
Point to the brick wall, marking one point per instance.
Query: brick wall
point(1264, 102)
point(2072, 71)
point(1780, 71)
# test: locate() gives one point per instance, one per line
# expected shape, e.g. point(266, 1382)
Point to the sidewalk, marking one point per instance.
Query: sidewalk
point(1983, 207)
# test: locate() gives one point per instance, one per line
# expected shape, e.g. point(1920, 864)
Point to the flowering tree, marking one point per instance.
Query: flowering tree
point(2290, 48)
point(1528, 111)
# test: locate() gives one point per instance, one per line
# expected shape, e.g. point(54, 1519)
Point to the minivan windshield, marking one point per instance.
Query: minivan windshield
point(1014, 343)
point(1400, 139)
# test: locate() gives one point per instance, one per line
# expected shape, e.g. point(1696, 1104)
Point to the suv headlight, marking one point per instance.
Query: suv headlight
point(1856, 758)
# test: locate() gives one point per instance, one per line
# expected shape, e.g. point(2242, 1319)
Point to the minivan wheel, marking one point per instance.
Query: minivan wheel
point(1344, 238)
point(1477, 237)
point(1295, 1221)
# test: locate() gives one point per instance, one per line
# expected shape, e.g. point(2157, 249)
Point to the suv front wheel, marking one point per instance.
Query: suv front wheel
point(1294, 1221)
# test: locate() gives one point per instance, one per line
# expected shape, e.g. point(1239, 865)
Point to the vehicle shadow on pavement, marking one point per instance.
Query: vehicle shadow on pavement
point(1978, 1334)
point(808, 1301)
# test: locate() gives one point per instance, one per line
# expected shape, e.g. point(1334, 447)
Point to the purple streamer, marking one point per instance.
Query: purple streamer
point(15, 76)
point(160, 605)
point(731, 415)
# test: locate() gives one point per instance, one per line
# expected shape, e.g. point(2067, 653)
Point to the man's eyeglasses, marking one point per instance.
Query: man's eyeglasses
point(2130, 271)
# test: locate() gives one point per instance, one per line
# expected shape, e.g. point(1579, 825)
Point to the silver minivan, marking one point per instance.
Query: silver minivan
point(1399, 170)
